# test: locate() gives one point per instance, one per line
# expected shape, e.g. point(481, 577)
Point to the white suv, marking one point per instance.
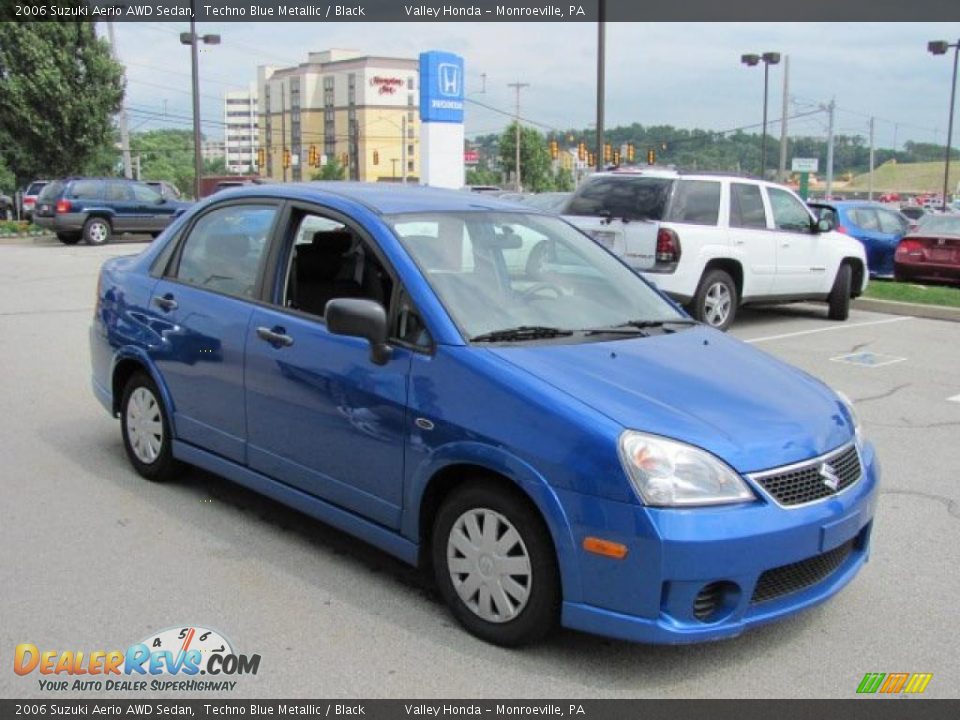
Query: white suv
point(714, 242)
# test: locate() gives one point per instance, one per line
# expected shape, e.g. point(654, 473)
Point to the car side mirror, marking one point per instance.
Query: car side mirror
point(161, 200)
point(823, 225)
point(359, 317)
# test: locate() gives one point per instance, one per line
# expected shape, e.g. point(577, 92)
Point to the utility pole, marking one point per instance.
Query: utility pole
point(518, 86)
point(782, 170)
point(870, 190)
point(283, 128)
point(601, 82)
point(124, 133)
point(403, 146)
point(830, 110)
point(193, 40)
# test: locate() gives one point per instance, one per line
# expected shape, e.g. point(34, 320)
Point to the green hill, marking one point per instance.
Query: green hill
point(908, 177)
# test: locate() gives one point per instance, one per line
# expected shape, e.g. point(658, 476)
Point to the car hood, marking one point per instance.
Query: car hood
point(701, 387)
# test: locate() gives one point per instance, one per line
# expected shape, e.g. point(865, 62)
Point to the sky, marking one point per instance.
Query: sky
point(687, 75)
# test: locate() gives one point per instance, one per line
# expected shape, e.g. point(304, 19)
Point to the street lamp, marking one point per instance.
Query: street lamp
point(940, 47)
point(193, 40)
point(768, 59)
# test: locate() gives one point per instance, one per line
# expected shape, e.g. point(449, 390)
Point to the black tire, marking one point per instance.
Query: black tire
point(710, 284)
point(163, 466)
point(68, 239)
point(541, 612)
point(97, 231)
point(839, 298)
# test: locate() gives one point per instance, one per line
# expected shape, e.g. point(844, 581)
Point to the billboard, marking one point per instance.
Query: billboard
point(441, 87)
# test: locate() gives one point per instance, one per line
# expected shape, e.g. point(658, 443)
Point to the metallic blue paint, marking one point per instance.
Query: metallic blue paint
point(319, 427)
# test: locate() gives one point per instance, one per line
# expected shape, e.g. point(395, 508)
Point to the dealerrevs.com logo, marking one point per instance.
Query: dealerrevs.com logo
point(170, 660)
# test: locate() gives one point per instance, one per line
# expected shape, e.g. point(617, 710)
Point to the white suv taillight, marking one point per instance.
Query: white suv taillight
point(668, 246)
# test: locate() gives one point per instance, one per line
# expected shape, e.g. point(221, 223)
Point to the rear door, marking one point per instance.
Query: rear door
point(205, 299)
point(893, 227)
point(752, 237)
point(119, 198)
point(864, 224)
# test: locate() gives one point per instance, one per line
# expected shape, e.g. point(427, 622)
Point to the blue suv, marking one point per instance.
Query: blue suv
point(93, 209)
point(553, 437)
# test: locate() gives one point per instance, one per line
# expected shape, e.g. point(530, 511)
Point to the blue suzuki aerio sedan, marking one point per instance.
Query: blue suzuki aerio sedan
point(482, 390)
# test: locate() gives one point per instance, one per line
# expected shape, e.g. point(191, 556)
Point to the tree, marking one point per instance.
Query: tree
point(482, 176)
point(535, 174)
point(59, 90)
point(563, 181)
point(165, 155)
point(331, 171)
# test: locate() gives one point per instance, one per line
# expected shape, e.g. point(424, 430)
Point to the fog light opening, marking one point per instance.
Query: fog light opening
point(716, 600)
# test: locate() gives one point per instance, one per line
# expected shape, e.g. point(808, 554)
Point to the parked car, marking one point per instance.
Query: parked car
point(93, 209)
point(715, 242)
point(548, 201)
point(913, 213)
point(877, 227)
point(932, 251)
point(565, 448)
point(29, 198)
point(892, 197)
point(6, 207)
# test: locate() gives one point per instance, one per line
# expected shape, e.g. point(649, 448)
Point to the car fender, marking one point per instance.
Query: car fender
point(98, 211)
point(836, 247)
point(132, 352)
point(526, 478)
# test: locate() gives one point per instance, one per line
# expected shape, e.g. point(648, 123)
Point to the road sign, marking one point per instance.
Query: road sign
point(805, 165)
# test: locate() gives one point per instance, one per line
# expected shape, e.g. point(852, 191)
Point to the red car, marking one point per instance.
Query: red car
point(931, 252)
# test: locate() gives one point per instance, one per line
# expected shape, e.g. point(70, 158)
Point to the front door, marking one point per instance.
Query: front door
point(801, 266)
point(321, 416)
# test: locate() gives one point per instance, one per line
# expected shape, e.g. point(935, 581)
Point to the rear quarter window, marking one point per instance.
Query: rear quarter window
point(50, 190)
point(86, 189)
point(695, 202)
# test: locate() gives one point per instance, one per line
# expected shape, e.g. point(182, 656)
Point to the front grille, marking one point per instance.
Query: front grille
point(794, 577)
point(807, 482)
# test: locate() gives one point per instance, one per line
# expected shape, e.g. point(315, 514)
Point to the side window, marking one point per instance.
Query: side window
point(865, 218)
point(328, 260)
point(145, 194)
point(87, 189)
point(118, 192)
point(696, 202)
point(891, 223)
point(226, 248)
point(746, 207)
point(788, 212)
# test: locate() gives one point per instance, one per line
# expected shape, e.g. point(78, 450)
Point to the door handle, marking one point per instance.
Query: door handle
point(276, 337)
point(166, 302)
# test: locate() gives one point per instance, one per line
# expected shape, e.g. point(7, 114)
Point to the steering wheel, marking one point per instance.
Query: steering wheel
point(537, 287)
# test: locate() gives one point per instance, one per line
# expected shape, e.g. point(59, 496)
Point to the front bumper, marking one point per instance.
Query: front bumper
point(676, 558)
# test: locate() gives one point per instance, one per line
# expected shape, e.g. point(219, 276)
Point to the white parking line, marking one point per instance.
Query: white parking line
point(955, 398)
point(844, 326)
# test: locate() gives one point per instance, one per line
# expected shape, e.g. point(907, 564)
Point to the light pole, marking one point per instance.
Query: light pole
point(940, 47)
point(518, 86)
point(768, 58)
point(193, 40)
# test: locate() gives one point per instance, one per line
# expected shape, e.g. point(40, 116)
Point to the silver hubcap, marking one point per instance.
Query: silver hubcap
point(144, 425)
point(98, 232)
point(716, 306)
point(489, 565)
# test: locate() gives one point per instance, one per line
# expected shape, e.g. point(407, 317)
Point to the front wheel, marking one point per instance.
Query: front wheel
point(715, 302)
point(495, 564)
point(839, 299)
point(97, 231)
point(146, 429)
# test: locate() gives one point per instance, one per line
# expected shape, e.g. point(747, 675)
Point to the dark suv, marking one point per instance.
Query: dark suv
point(93, 209)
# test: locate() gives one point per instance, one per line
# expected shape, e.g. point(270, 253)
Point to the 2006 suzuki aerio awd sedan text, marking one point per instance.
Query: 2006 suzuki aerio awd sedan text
point(484, 390)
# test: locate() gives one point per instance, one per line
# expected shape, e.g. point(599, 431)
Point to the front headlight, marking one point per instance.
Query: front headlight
point(668, 473)
point(854, 416)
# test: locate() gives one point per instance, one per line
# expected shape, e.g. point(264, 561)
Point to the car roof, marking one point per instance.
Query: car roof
point(848, 203)
point(382, 198)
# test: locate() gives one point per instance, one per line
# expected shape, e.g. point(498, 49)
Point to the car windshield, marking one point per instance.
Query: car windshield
point(945, 224)
point(503, 271)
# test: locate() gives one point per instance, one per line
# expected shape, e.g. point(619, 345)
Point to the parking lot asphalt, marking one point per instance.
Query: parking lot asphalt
point(92, 557)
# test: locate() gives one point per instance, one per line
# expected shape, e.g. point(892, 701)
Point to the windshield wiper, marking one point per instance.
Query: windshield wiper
point(637, 327)
point(523, 332)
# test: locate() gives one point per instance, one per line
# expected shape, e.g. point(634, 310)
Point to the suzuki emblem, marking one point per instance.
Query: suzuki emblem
point(829, 476)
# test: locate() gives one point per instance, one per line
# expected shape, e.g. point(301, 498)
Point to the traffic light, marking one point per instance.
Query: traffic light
point(591, 159)
point(651, 156)
point(607, 152)
point(376, 157)
point(631, 152)
point(582, 151)
point(554, 149)
point(616, 158)
point(286, 158)
point(261, 157)
point(312, 156)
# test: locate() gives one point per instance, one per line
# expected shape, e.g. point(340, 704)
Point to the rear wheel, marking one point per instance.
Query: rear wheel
point(68, 238)
point(715, 302)
point(97, 231)
point(146, 429)
point(839, 298)
point(495, 564)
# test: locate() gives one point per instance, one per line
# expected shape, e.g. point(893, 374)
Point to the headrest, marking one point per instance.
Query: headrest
point(333, 242)
point(228, 245)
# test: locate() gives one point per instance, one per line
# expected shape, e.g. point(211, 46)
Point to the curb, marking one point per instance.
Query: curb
point(891, 307)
